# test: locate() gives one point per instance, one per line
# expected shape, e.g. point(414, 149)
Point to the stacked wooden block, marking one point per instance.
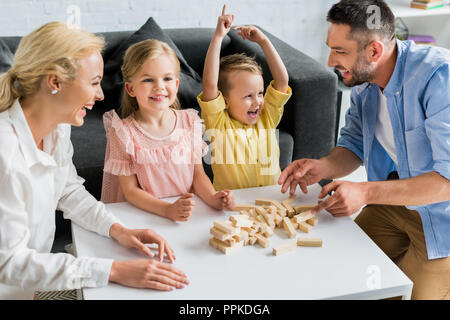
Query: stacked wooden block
point(256, 224)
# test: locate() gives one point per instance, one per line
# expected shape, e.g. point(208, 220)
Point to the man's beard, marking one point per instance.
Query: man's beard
point(361, 73)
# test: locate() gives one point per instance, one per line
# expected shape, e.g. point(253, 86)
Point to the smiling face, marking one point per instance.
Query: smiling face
point(81, 94)
point(347, 58)
point(155, 85)
point(245, 97)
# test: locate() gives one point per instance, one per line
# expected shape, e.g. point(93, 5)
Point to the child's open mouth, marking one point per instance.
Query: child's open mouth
point(253, 114)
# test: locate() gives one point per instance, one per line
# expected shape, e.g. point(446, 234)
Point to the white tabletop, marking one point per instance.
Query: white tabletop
point(348, 266)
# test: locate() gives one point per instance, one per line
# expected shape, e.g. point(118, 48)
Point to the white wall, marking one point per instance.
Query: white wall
point(300, 23)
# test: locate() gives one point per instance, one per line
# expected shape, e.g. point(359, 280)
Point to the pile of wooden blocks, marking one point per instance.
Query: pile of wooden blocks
point(256, 224)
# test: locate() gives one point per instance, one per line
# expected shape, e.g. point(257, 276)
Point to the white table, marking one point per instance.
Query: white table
point(348, 266)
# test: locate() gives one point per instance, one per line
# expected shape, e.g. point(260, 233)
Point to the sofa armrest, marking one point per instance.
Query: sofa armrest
point(310, 114)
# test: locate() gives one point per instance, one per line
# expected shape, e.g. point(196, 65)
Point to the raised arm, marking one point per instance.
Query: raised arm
point(212, 61)
point(276, 65)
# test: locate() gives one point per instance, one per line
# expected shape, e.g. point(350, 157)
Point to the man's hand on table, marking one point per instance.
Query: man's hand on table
point(347, 197)
point(303, 172)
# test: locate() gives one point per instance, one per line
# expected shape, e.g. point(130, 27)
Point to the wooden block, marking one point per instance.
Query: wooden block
point(256, 226)
point(237, 217)
point(267, 217)
point(260, 202)
point(271, 209)
point(240, 207)
point(226, 227)
point(303, 207)
point(252, 213)
point(305, 227)
point(261, 220)
point(260, 210)
point(294, 224)
point(313, 221)
point(309, 242)
point(219, 234)
point(279, 206)
point(252, 240)
point(290, 200)
point(262, 226)
point(290, 210)
point(244, 212)
point(242, 236)
point(230, 242)
point(262, 241)
point(284, 248)
point(277, 219)
point(268, 233)
point(250, 231)
point(240, 221)
point(280, 224)
point(303, 216)
point(221, 246)
point(289, 227)
point(282, 213)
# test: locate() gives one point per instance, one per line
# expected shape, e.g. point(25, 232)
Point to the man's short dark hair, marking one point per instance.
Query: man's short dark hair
point(359, 15)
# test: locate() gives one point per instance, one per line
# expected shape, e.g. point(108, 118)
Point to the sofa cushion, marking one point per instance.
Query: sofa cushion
point(195, 54)
point(112, 84)
point(6, 57)
point(89, 144)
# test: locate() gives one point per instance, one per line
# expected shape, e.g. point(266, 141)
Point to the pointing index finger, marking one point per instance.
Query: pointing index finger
point(223, 9)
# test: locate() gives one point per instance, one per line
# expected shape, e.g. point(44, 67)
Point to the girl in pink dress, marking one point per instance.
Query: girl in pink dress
point(155, 151)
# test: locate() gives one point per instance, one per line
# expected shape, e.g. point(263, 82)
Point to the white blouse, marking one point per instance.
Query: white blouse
point(33, 184)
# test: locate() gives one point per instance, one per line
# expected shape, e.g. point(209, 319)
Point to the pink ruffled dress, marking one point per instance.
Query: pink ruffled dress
point(164, 167)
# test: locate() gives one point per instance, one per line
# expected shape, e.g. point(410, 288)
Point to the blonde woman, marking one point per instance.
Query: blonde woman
point(55, 78)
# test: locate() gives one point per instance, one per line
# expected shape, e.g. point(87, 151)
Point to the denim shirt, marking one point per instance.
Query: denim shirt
point(418, 102)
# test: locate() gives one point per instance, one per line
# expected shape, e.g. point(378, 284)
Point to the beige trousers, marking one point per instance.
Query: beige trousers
point(398, 232)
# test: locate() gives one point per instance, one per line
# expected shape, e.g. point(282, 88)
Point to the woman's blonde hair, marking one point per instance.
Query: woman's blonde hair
point(54, 48)
point(135, 56)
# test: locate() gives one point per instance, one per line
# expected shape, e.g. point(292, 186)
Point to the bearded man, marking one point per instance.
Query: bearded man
point(398, 127)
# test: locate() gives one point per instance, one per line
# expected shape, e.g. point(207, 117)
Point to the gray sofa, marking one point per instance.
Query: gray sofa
point(307, 128)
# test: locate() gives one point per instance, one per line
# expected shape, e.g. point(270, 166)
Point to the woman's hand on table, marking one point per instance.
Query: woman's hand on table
point(138, 238)
point(144, 273)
